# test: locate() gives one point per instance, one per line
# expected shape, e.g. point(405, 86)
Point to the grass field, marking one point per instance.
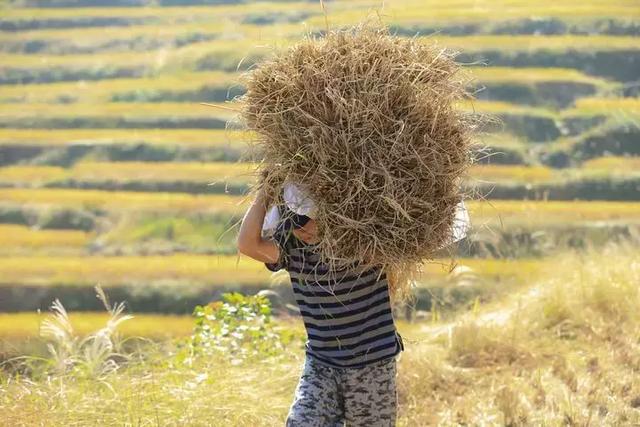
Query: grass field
point(20, 326)
point(193, 82)
point(28, 241)
point(244, 173)
point(453, 11)
point(613, 163)
point(190, 269)
point(106, 90)
point(225, 172)
point(489, 212)
point(562, 348)
point(533, 323)
point(209, 138)
point(232, 51)
point(607, 106)
point(123, 200)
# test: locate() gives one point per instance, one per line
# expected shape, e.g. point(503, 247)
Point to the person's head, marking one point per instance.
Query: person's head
point(304, 227)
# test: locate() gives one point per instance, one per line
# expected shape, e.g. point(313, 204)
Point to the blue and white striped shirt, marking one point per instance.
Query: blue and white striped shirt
point(347, 314)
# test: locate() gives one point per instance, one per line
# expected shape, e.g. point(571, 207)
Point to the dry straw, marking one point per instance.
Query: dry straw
point(366, 122)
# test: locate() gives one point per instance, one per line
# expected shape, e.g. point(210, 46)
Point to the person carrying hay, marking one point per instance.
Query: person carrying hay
point(349, 373)
point(363, 150)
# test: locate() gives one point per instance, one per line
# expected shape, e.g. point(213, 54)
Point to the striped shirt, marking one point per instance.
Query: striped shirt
point(346, 313)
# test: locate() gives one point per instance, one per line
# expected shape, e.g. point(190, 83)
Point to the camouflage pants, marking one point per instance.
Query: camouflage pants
point(328, 396)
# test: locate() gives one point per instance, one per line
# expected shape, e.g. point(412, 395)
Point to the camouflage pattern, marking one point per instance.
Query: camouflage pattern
point(328, 396)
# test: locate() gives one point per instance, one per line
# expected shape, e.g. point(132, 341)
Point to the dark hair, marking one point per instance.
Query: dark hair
point(294, 219)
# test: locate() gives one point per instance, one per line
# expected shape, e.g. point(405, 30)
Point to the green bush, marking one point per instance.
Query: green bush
point(238, 328)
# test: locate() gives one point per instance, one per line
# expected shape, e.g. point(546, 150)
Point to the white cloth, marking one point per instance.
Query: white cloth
point(461, 224)
point(296, 200)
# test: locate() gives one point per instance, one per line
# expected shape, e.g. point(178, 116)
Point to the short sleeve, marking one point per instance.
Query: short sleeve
point(280, 237)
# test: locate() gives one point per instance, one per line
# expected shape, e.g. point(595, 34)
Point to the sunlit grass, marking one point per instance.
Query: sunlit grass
point(31, 175)
point(232, 51)
point(181, 269)
point(213, 138)
point(210, 172)
point(406, 10)
point(514, 212)
point(116, 110)
point(551, 213)
point(174, 110)
point(561, 348)
point(168, 14)
point(514, 173)
point(606, 106)
point(613, 163)
point(98, 91)
point(104, 90)
point(164, 171)
point(559, 43)
point(24, 325)
point(534, 75)
point(191, 269)
point(123, 200)
point(438, 13)
point(502, 107)
point(244, 173)
point(27, 240)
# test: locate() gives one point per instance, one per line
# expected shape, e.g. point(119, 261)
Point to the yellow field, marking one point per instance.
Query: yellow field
point(545, 354)
point(501, 107)
point(123, 200)
point(102, 90)
point(541, 214)
point(437, 13)
point(209, 172)
point(141, 270)
point(533, 75)
point(210, 138)
point(244, 173)
point(515, 212)
point(613, 163)
point(606, 106)
point(223, 111)
point(20, 326)
point(421, 10)
point(193, 270)
point(117, 109)
point(23, 239)
point(234, 50)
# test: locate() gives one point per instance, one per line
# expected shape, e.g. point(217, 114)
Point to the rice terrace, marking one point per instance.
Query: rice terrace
point(137, 138)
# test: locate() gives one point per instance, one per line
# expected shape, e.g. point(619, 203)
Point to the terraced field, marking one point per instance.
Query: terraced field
point(112, 171)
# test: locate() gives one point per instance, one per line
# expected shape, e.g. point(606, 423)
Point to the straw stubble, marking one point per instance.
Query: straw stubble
point(365, 121)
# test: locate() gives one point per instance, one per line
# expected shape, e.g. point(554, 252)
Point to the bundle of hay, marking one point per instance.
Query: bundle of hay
point(365, 121)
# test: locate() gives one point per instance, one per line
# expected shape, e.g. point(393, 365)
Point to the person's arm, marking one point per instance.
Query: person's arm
point(250, 241)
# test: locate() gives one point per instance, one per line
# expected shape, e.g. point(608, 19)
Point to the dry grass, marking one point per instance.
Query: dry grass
point(562, 351)
point(122, 200)
point(114, 110)
point(18, 239)
point(589, 106)
point(618, 163)
point(104, 90)
point(188, 138)
point(217, 270)
point(182, 269)
point(366, 122)
point(22, 326)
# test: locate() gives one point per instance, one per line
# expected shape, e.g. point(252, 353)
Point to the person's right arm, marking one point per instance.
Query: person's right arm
point(250, 241)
